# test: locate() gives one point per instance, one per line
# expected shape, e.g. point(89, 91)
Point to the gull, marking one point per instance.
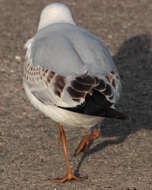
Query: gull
point(70, 76)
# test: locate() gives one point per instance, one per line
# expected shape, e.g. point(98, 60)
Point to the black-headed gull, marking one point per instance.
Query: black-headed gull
point(70, 76)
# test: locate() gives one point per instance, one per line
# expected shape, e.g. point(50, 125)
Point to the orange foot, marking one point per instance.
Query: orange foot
point(85, 142)
point(68, 177)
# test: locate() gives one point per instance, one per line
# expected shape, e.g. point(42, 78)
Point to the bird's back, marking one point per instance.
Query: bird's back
point(69, 49)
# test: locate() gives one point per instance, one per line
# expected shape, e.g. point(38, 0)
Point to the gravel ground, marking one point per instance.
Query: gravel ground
point(30, 151)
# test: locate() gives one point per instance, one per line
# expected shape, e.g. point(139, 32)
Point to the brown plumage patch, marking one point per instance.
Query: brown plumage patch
point(80, 86)
point(58, 92)
point(112, 79)
point(109, 77)
point(45, 71)
point(86, 79)
point(75, 94)
point(50, 76)
point(86, 84)
point(59, 85)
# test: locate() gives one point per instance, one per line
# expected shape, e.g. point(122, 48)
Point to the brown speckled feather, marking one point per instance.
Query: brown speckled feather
point(68, 92)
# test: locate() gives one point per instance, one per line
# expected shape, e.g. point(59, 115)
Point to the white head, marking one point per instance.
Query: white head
point(55, 13)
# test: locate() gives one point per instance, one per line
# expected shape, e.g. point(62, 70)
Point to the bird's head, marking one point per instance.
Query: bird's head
point(55, 13)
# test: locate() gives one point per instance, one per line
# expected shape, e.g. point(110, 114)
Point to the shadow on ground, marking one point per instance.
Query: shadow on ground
point(134, 61)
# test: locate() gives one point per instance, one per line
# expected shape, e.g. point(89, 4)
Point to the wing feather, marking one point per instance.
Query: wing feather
point(67, 91)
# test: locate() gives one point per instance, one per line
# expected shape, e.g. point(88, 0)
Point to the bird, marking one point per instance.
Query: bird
point(70, 76)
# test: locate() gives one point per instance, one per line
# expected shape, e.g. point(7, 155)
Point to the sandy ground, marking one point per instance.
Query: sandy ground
point(30, 151)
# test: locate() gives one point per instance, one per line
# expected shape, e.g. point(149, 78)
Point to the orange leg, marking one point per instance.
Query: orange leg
point(85, 141)
point(69, 175)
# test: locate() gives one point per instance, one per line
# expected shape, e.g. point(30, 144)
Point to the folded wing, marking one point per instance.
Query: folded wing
point(86, 79)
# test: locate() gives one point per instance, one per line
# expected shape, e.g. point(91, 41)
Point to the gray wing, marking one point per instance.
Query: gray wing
point(69, 49)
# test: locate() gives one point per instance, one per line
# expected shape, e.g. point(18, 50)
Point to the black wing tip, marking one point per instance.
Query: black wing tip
point(112, 113)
